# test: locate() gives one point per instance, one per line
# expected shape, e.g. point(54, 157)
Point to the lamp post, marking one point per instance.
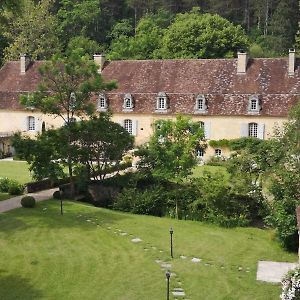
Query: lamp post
point(171, 236)
point(168, 275)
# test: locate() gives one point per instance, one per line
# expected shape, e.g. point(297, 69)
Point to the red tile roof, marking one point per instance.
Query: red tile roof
point(226, 92)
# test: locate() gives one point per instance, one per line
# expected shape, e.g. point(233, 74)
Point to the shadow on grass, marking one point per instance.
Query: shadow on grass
point(14, 287)
point(47, 214)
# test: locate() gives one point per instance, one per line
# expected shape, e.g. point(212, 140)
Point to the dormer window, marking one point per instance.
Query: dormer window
point(128, 102)
point(161, 102)
point(254, 104)
point(201, 104)
point(102, 103)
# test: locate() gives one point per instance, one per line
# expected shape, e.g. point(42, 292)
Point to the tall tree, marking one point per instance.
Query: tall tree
point(67, 86)
point(34, 31)
point(197, 35)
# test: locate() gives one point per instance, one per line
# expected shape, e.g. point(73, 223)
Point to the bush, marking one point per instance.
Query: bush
point(15, 188)
point(56, 195)
point(28, 202)
point(291, 285)
point(4, 184)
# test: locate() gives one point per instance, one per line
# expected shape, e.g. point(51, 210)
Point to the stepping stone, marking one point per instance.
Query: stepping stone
point(146, 249)
point(166, 266)
point(154, 248)
point(161, 251)
point(88, 220)
point(136, 240)
point(178, 292)
point(173, 274)
point(182, 257)
point(196, 260)
point(109, 228)
point(158, 261)
point(123, 233)
point(240, 269)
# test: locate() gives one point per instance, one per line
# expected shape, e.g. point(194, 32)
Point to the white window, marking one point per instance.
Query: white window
point(128, 102)
point(252, 129)
point(102, 103)
point(128, 126)
point(199, 153)
point(161, 101)
point(254, 105)
point(218, 152)
point(31, 123)
point(201, 105)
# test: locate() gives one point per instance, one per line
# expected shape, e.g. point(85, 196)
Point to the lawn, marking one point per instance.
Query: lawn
point(17, 170)
point(198, 171)
point(44, 255)
point(4, 196)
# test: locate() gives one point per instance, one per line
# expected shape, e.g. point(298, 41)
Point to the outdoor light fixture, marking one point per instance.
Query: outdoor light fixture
point(168, 275)
point(171, 236)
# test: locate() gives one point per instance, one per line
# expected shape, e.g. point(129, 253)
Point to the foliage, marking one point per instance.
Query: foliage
point(28, 202)
point(11, 186)
point(87, 45)
point(171, 150)
point(196, 35)
point(219, 143)
point(285, 185)
point(34, 31)
point(100, 143)
point(291, 285)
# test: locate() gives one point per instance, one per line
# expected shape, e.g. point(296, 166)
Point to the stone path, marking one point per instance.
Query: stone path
point(273, 272)
point(15, 202)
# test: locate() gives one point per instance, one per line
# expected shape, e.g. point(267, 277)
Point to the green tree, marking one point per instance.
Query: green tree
point(147, 39)
point(196, 35)
point(286, 183)
point(34, 31)
point(170, 153)
point(67, 85)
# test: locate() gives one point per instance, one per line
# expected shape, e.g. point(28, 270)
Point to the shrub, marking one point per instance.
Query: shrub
point(56, 195)
point(4, 184)
point(291, 285)
point(15, 188)
point(28, 202)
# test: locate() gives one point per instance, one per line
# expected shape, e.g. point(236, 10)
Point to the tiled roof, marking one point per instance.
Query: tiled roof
point(227, 93)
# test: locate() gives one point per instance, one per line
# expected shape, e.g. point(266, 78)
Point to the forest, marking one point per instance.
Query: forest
point(148, 29)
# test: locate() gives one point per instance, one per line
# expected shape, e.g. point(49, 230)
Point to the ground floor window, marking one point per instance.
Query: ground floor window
point(128, 125)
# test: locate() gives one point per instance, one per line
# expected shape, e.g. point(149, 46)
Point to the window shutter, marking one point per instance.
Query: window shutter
point(25, 124)
point(207, 130)
point(37, 124)
point(134, 128)
point(244, 130)
point(261, 131)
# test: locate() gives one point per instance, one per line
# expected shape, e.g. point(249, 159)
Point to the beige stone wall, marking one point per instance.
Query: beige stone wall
point(219, 127)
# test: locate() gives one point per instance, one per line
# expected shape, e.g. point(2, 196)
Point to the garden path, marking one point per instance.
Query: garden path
point(15, 202)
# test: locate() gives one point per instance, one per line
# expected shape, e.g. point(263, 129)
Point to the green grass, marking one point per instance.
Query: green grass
point(198, 171)
point(4, 196)
point(47, 256)
point(17, 170)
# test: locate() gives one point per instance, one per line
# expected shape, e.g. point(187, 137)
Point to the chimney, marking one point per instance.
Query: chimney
point(292, 61)
point(24, 62)
point(242, 62)
point(99, 59)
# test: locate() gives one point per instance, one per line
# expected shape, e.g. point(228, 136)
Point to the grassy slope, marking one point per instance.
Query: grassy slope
point(4, 196)
point(46, 256)
point(17, 170)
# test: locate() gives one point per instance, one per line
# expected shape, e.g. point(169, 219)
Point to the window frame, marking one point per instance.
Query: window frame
point(128, 125)
point(102, 99)
point(31, 123)
point(128, 99)
point(200, 99)
point(162, 102)
point(253, 129)
point(254, 106)
point(218, 152)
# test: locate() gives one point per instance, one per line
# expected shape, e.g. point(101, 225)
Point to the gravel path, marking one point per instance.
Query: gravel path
point(14, 202)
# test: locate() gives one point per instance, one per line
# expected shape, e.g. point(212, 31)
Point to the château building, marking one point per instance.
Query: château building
point(231, 98)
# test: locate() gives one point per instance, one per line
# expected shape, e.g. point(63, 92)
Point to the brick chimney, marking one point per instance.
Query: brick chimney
point(24, 62)
point(292, 61)
point(242, 62)
point(99, 59)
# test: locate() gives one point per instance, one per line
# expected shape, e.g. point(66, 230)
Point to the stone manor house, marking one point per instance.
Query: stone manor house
point(231, 98)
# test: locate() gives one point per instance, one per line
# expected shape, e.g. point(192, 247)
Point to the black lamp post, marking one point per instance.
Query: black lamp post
point(168, 275)
point(171, 236)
